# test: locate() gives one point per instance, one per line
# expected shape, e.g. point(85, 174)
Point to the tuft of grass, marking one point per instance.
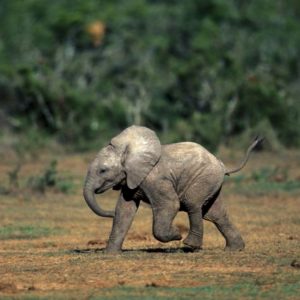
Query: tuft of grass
point(49, 179)
point(27, 232)
point(4, 190)
point(13, 176)
point(13, 181)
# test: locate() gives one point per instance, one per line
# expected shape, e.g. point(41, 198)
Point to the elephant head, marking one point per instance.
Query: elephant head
point(129, 157)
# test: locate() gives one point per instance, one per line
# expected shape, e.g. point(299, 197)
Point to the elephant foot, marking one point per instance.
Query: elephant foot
point(172, 236)
point(177, 237)
point(189, 249)
point(236, 245)
point(193, 240)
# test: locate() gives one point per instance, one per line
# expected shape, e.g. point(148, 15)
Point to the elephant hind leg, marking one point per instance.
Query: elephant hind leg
point(216, 213)
point(195, 236)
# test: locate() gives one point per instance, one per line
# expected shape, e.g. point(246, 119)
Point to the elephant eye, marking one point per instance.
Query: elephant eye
point(102, 170)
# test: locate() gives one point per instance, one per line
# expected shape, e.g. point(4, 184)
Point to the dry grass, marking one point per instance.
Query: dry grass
point(51, 246)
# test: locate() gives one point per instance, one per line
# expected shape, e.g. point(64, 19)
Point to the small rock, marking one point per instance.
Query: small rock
point(152, 284)
point(95, 242)
point(295, 264)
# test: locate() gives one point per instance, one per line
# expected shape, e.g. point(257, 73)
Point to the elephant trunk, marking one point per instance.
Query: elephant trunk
point(89, 196)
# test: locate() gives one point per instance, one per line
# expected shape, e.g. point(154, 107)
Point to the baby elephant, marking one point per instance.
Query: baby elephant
point(171, 178)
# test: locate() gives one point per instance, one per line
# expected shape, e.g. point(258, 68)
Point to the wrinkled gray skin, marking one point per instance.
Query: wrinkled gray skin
point(171, 178)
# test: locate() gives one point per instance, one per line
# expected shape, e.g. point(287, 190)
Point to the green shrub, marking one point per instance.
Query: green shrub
point(50, 180)
point(201, 70)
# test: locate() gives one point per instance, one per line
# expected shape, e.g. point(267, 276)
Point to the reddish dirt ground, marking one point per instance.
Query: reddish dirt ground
point(69, 259)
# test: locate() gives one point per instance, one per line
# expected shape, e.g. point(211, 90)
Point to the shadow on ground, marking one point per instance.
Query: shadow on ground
point(146, 250)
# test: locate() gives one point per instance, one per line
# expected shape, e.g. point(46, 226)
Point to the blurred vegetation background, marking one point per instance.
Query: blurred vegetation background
point(212, 71)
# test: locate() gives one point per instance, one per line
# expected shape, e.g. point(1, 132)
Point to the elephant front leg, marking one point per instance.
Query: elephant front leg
point(125, 211)
point(165, 205)
point(195, 236)
point(163, 217)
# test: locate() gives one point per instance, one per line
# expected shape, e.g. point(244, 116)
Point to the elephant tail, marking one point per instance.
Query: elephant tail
point(256, 142)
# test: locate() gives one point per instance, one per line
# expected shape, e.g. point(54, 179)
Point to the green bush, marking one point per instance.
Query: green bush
point(201, 70)
point(49, 179)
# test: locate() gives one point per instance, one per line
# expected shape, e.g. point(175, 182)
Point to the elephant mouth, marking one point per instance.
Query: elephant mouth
point(102, 189)
point(98, 191)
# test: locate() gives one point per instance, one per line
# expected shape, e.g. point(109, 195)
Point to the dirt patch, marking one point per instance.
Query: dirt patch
point(69, 255)
point(8, 287)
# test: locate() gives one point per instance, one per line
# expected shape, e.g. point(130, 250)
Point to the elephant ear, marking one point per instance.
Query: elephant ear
point(140, 149)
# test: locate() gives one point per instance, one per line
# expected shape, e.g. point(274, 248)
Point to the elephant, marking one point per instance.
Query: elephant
point(173, 177)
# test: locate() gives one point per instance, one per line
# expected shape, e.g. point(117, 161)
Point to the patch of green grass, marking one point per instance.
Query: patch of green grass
point(209, 292)
point(269, 174)
point(236, 291)
point(263, 188)
point(27, 232)
point(264, 181)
